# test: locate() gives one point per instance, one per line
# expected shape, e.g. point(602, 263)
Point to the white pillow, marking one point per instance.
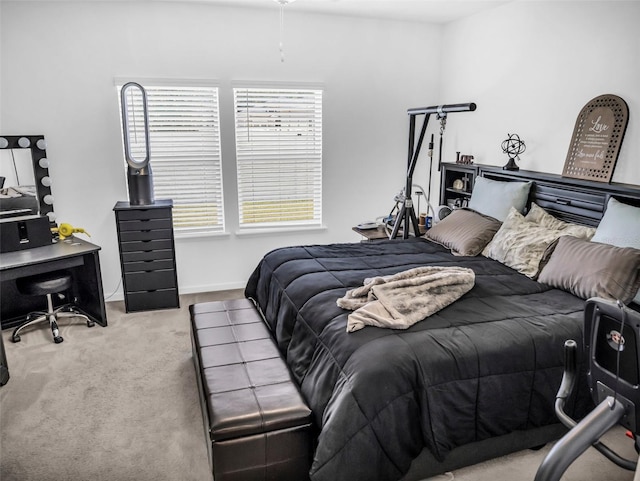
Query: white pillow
point(494, 198)
point(620, 226)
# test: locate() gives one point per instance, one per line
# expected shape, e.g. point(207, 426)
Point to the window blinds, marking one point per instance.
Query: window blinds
point(184, 140)
point(279, 156)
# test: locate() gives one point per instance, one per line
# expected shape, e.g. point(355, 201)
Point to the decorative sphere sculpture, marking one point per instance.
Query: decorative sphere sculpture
point(513, 146)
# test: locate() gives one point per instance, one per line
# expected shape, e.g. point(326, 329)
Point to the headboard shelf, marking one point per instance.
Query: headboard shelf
point(569, 199)
point(612, 187)
point(573, 200)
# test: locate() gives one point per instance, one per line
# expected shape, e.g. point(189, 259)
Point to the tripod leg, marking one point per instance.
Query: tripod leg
point(414, 220)
point(407, 221)
point(398, 222)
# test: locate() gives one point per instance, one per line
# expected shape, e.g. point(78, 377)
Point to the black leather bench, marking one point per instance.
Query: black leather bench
point(258, 426)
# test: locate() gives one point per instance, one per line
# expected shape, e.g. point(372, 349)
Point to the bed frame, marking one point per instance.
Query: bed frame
point(572, 200)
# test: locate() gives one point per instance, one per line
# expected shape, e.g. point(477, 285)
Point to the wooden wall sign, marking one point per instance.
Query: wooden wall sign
point(596, 140)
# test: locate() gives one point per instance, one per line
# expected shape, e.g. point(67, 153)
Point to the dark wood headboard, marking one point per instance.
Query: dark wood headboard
point(572, 200)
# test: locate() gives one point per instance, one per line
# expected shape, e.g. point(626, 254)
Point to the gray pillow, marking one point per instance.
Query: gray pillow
point(620, 226)
point(591, 269)
point(464, 231)
point(495, 198)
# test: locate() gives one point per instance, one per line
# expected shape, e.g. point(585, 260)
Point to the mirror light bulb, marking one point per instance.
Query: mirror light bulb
point(24, 142)
point(46, 181)
point(42, 144)
point(44, 163)
point(48, 199)
point(4, 143)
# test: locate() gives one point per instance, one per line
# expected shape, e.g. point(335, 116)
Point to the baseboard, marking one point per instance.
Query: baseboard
point(225, 286)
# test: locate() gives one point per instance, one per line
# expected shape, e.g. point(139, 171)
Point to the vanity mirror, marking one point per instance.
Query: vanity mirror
point(25, 185)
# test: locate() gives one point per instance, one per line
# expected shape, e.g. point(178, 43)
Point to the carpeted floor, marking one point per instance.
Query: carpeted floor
point(121, 403)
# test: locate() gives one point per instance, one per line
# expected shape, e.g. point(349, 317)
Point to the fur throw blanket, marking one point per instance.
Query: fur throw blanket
point(401, 300)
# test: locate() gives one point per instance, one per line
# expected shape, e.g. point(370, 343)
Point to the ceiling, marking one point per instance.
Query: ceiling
point(433, 11)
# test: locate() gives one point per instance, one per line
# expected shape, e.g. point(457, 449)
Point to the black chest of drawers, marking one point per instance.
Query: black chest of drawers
point(147, 255)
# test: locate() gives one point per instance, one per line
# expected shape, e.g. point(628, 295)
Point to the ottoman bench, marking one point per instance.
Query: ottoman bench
point(257, 424)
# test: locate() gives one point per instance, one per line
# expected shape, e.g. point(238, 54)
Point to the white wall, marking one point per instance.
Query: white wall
point(59, 60)
point(531, 67)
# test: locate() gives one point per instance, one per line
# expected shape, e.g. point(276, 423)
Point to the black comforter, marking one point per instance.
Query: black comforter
point(487, 365)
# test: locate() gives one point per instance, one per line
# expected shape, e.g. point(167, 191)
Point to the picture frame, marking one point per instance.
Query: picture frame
point(597, 137)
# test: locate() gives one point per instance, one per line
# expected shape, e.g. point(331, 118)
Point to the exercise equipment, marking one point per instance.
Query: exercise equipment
point(406, 217)
point(612, 344)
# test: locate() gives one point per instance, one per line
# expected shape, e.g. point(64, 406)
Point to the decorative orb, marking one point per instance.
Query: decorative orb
point(513, 146)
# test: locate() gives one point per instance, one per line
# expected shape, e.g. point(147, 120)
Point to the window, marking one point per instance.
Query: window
point(184, 141)
point(279, 156)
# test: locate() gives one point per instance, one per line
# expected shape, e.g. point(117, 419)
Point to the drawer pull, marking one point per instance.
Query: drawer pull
point(563, 201)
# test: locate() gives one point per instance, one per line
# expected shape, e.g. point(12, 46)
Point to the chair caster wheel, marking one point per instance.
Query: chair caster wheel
point(91, 324)
point(58, 339)
point(15, 338)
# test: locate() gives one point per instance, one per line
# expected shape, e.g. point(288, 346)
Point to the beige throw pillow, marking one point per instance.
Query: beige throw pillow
point(464, 231)
point(541, 217)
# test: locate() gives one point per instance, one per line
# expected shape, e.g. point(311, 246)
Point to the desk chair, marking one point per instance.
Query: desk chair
point(47, 284)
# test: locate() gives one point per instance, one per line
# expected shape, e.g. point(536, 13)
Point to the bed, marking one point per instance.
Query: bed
point(472, 381)
point(18, 200)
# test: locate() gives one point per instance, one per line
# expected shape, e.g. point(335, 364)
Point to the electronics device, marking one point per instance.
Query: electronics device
point(367, 225)
point(441, 212)
point(27, 232)
point(135, 128)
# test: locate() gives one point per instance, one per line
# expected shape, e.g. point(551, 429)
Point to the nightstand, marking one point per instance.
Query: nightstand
point(372, 234)
point(380, 233)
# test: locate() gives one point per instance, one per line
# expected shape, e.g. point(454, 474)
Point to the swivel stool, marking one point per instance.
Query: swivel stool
point(47, 284)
